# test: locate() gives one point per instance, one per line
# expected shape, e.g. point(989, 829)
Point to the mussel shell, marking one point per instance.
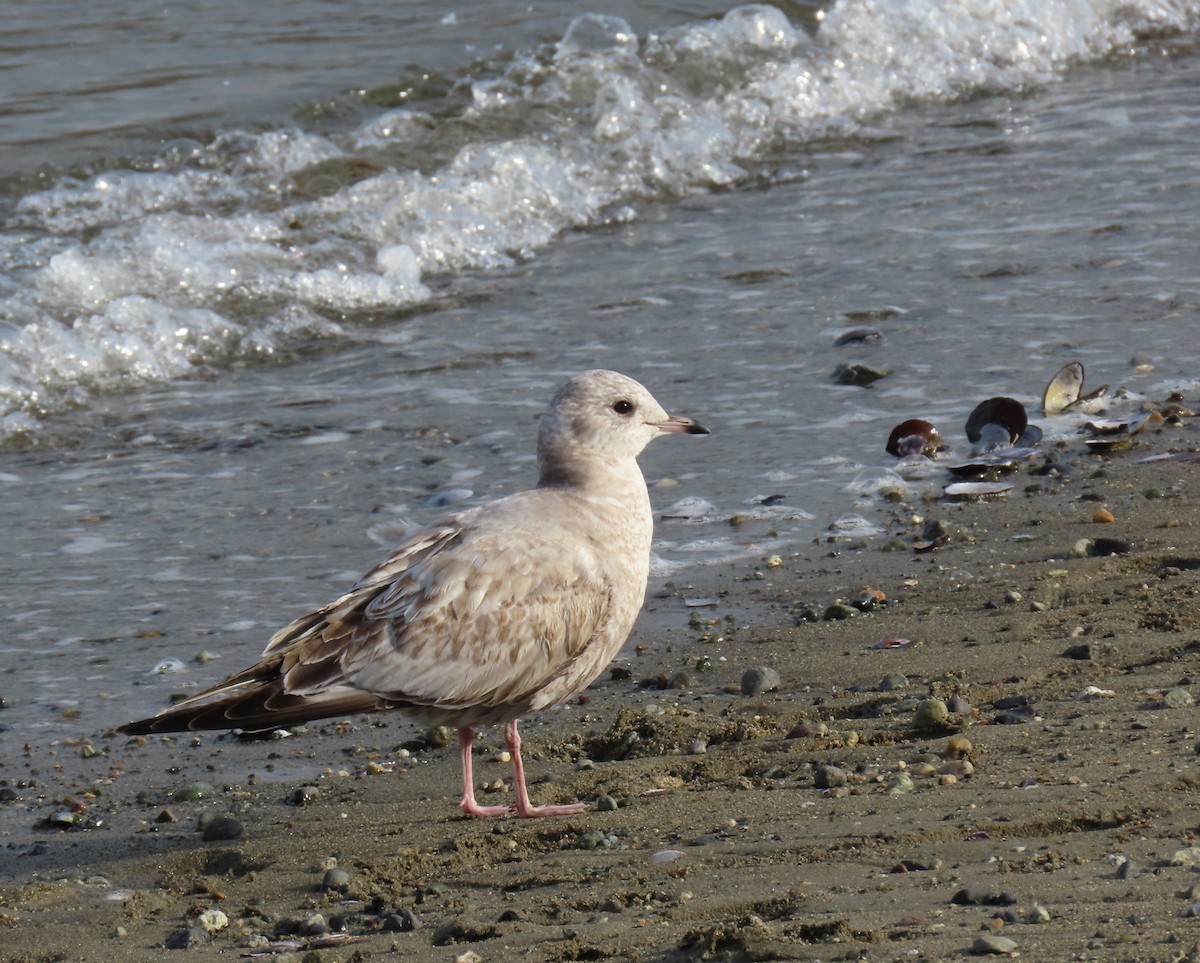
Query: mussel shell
point(982, 467)
point(914, 428)
point(1008, 413)
point(1110, 445)
point(1064, 389)
point(975, 491)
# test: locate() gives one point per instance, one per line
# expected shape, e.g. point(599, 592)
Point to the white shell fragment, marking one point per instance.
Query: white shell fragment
point(976, 491)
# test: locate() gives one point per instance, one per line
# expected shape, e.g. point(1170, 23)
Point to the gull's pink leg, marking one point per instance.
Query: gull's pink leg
point(524, 808)
point(466, 736)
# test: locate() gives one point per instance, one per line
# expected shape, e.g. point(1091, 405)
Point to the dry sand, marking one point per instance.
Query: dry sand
point(1067, 830)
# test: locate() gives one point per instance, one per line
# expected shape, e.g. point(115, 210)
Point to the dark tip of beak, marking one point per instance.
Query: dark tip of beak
point(680, 424)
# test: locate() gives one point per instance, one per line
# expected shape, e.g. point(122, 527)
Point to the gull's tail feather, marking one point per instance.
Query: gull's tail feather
point(262, 707)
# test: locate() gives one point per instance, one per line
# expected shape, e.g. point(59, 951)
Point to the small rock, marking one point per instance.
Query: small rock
point(900, 783)
point(829, 777)
point(839, 611)
point(439, 737)
point(606, 804)
point(697, 747)
point(1037, 914)
point(212, 921)
point(892, 681)
point(994, 946)
point(1189, 857)
point(814, 730)
point(1179, 698)
point(758, 680)
point(1128, 870)
point(404, 921)
point(957, 747)
point(193, 792)
point(860, 375)
point(1103, 516)
point(335, 881)
point(304, 795)
point(959, 706)
point(222, 828)
point(931, 714)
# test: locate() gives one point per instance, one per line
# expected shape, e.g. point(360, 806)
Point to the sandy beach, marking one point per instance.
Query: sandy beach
point(823, 808)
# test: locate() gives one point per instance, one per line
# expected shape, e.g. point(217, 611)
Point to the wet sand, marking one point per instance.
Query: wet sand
point(1064, 822)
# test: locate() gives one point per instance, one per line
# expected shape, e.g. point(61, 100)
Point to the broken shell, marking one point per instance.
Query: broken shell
point(981, 467)
point(913, 437)
point(860, 375)
point(976, 491)
point(860, 336)
point(996, 422)
point(1109, 446)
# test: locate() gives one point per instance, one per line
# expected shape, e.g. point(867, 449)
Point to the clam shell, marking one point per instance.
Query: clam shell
point(1064, 389)
point(994, 418)
point(915, 436)
point(976, 491)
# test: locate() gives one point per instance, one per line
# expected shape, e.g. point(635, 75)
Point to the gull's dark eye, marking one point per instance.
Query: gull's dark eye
point(623, 407)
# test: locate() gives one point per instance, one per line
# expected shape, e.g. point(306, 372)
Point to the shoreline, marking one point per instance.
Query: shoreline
point(1065, 827)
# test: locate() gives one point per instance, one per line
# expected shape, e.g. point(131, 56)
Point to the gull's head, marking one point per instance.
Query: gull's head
point(602, 415)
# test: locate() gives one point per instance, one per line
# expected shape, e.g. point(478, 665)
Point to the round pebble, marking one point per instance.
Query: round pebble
point(931, 714)
point(892, 681)
point(829, 777)
point(221, 828)
point(304, 795)
point(212, 921)
point(335, 881)
point(957, 747)
point(606, 804)
point(1179, 698)
point(758, 680)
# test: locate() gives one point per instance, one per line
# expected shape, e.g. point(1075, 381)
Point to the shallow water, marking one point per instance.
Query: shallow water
point(991, 239)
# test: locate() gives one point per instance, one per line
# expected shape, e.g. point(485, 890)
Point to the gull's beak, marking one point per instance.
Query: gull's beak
point(678, 424)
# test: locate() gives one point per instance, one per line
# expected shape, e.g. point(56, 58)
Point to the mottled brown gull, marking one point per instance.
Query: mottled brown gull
point(485, 615)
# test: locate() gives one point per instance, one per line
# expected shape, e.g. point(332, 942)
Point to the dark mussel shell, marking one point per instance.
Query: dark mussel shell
point(912, 437)
point(1007, 414)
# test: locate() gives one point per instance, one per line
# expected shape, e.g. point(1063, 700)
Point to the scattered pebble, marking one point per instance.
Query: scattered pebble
point(994, 946)
point(1178, 698)
point(759, 679)
point(212, 921)
point(304, 795)
point(893, 681)
point(222, 828)
point(335, 881)
point(931, 714)
point(829, 777)
point(1103, 516)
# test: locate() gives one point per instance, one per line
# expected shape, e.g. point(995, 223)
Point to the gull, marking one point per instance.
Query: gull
point(486, 614)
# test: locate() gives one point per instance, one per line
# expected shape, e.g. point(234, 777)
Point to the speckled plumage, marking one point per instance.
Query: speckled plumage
point(486, 614)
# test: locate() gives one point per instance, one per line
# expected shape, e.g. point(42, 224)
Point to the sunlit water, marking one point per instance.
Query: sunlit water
point(225, 362)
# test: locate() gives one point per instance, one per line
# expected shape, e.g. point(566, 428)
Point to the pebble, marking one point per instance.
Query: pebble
point(1188, 856)
point(829, 777)
point(595, 839)
point(900, 783)
point(439, 737)
point(212, 921)
point(892, 681)
point(1128, 870)
point(606, 804)
point(931, 714)
point(1179, 698)
point(335, 881)
point(405, 921)
point(839, 611)
point(994, 946)
point(960, 706)
point(958, 746)
point(759, 679)
point(1103, 516)
point(697, 747)
point(304, 795)
point(814, 730)
point(973, 896)
point(193, 792)
point(221, 828)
